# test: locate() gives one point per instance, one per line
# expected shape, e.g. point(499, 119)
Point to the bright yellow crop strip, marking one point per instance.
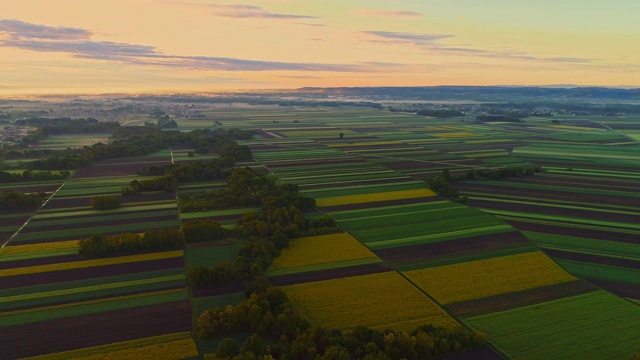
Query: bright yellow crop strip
point(34, 248)
point(366, 198)
point(483, 278)
point(88, 302)
point(322, 249)
point(571, 127)
point(180, 349)
point(115, 347)
point(384, 300)
point(90, 263)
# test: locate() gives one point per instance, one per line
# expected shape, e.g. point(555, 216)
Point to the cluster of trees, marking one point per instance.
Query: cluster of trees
point(14, 200)
point(166, 183)
point(265, 233)
point(213, 169)
point(153, 240)
point(136, 141)
point(247, 188)
point(441, 185)
point(500, 173)
point(119, 244)
point(105, 202)
point(30, 175)
point(163, 121)
point(278, 331)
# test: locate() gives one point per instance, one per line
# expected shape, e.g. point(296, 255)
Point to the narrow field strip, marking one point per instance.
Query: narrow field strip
point(99, 281)
point(367, 198)
point(90, 231)
point(91, 307)
point(36, 248)
point(77, 290)
point(106, 349)
point(124, 209)
point(90, 263)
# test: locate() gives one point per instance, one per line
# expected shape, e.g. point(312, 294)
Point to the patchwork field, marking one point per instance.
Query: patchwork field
point(408, 257)
point(48, 290)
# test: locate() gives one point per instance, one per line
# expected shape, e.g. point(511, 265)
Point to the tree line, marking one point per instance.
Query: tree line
point(128, 141)
point(15, 200)
point(442, 184)
point(30, 175)
point(152, 240)
point(264, 233)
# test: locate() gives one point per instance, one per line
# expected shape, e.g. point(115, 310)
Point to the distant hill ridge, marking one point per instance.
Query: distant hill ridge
point(481, 92)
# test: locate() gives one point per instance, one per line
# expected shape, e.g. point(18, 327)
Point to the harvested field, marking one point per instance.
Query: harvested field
point(520, 298)
point(453, 248)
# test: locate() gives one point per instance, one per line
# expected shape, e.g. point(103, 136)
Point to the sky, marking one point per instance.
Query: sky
point(133, 46)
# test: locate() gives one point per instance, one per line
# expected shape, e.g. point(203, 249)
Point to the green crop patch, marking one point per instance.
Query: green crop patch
point(574, 327)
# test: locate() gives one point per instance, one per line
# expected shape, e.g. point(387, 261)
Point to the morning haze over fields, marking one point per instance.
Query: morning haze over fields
point(297, 179)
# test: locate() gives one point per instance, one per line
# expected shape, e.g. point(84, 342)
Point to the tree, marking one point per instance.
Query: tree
point(341, 135)
point(228, 348)
point(105, 202)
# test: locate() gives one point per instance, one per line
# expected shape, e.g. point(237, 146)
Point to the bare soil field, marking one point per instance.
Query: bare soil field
point(452, 248)
point(521, 298)
point(89, 273)
point(93, 330)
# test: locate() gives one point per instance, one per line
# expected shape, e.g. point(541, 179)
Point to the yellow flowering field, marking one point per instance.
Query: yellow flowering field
point(366, 198)
point(380, 301)
point(90, 263)
point(171, 346)
point(321, 249)
point(34, 248)
point(483, 278)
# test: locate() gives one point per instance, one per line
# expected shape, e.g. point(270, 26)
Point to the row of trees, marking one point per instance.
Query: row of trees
point(14, 200)
point(30, 175)
point(105, 202)
point(66, 125)
point(247, 188)
point(442, 184)
point(265, 233)
point(120, 244)
point(152, 240)
point(278, 331)
point(136, 141)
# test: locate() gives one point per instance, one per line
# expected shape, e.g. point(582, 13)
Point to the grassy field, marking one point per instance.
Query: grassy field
point(591, 326)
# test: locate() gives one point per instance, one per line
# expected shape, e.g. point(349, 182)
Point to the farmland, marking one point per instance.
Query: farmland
point(523, 260)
